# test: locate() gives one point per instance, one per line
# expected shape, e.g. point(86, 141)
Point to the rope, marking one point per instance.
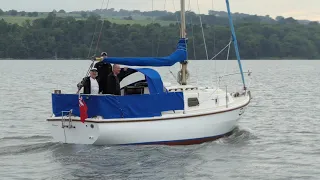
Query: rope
point(193, 39)
point(164, 7)
point(217, 78)
point(229, 49)
point(204, 39)
point(214, 48)
point(193, 43)
point(250, 80)
point(152, 11)
point(152, 42)
point(91, 66)
point(165, 3)
point(93, 37)
point(173, 75)
point(95, 29)
point(226, 64)
point(174, 8)
point(178, 79)
point(225, 69)
point(102, 25)
point(221, 50)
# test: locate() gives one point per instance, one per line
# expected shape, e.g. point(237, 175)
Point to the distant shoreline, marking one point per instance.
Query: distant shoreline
point(263, 59)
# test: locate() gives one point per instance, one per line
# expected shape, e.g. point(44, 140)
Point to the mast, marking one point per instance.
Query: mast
point(183, 35)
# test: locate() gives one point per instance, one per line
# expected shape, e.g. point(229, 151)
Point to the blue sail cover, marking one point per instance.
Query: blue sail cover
point(110, 107)
point(179, 55)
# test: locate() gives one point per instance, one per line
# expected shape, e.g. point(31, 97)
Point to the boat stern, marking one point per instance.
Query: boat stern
point(64, 130)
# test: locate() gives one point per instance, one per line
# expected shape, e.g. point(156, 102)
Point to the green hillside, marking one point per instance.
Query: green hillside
point(70, 35)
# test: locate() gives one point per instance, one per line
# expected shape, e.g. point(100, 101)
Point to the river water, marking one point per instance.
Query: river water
point(277, 138)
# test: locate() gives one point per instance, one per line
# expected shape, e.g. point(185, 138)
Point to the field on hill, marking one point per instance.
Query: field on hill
point(118, 20)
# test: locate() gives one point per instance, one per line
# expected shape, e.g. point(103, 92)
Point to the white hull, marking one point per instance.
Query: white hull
point(171, 129)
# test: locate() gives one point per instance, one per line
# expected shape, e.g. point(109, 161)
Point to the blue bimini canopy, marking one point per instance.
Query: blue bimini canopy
point(111, 107)
point(154, 81)
point(179, 55)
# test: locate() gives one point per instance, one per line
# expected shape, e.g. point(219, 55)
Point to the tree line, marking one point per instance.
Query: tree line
point(68, 38)
point(17, 13)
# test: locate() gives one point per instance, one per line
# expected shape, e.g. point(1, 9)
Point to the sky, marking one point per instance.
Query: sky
point(299, 9)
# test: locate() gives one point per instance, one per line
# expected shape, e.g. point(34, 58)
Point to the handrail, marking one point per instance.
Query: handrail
point(249, 73)
point(231, 74)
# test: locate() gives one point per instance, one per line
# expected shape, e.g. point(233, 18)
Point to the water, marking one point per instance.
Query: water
point(278, 137)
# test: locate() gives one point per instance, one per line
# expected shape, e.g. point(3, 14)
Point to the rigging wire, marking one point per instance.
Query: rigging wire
point(204, 39)
point(180, 72)
point(193, 43)
point(102, 26)
point(95, 29)
point(152, 11)
point(221, 50)
point(158, 47)
point(226, 65)
point(178, 22)
point(93, 37)
point(175, 11)
point(152, 43)
point(214, 46)
point(192, 29)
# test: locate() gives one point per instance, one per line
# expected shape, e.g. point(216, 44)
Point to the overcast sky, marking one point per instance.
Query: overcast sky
point(300, 9)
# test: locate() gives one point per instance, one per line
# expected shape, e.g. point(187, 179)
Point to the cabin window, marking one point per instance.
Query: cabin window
point(192, 102)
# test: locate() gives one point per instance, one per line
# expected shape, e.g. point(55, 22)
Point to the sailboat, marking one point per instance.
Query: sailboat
point(150, 112)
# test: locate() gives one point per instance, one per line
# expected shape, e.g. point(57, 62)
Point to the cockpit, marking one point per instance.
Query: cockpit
point(139, 87)
point(134, 83)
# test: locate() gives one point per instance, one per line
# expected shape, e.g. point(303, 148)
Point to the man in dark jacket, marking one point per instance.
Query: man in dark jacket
point(104, 69)
point(90, 84)
point(116, 77)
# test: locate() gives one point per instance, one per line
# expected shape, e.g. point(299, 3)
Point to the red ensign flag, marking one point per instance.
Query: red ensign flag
point(83, 110)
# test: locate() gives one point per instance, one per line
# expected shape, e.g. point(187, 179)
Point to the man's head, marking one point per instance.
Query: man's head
point(93, 73)
point(104, 54)
point(116, 69)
